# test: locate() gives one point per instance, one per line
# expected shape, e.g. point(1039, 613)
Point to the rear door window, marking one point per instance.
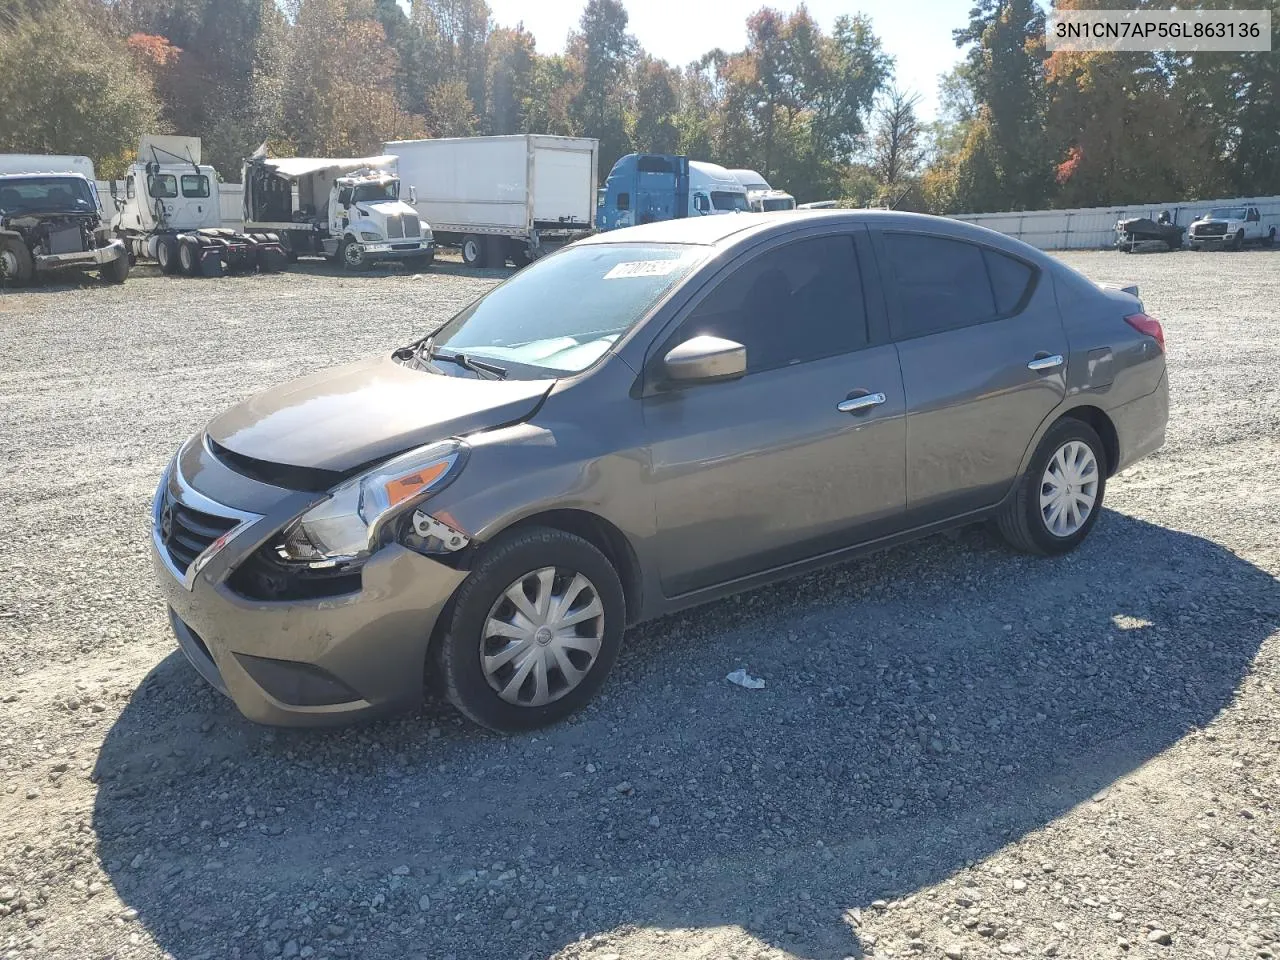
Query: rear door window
point(797, 303)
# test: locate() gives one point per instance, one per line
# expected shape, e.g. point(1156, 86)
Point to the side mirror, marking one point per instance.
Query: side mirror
point(705, 358)
point(413, 195)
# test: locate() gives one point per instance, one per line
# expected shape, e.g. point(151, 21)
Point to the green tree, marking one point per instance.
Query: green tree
point(601, 52)
point(512, 58)
point(67, 87)
point(655, 121)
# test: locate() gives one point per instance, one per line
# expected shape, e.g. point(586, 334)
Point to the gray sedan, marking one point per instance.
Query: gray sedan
point(650, 419)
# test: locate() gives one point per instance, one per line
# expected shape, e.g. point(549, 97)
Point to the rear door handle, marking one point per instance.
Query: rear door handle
point(1041, 364)
point(861, 404)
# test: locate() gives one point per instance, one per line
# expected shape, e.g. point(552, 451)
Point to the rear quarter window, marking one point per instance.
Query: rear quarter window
point(1010, 281)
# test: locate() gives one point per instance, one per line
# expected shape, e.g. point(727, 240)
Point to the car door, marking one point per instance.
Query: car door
point(802, 455)
point(983, 356)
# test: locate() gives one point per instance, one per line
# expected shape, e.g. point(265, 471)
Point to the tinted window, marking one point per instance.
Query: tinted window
point(162, 185)
point(942, 284)
point(654, 165)
point(723, 200)
point(797, 303)
point(1010, 279)
point(624, 201)
point(194, 185)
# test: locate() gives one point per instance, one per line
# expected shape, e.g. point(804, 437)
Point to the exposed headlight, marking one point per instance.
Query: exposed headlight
point(347, 527)
point(369, 237)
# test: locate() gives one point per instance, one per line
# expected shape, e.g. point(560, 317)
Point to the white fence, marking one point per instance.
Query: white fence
point(230, 202)
point(1091, 228)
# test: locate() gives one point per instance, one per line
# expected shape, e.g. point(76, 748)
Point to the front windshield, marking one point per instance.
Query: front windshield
point(1227, 213)
point(780, 203)
point(373, 192)
point(46, 194)
point(563, 313)
point(723, 200)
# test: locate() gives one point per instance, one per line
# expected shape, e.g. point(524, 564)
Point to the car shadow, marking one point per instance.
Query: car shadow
point(923, 708)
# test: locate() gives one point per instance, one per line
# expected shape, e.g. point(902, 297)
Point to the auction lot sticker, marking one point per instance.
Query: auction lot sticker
point(1183, 30)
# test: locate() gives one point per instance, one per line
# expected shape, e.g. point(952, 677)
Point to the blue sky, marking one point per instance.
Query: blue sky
point(917, 33)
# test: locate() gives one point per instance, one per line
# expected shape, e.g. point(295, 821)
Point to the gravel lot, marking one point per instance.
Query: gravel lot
point(959, 752)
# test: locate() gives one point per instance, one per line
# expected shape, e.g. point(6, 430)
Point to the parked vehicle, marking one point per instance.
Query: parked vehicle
point(502, 198)
point(51, 220)
point(1142, 233)
point(346, 210)
point(762, 197)
point(819, 205)
point(644, 421)
point(1230, 227)
point(652, 187)
point(170, 213)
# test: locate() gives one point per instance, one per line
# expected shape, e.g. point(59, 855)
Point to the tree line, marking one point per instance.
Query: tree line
point(817, 111)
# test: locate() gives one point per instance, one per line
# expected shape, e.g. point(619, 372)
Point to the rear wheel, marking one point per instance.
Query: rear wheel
point(1058, 499)
point(286, 245)
point(474, 253)
point(518, 251)
point(189, 257)
point(167, 254)
point(535, 629)
point(16, 265)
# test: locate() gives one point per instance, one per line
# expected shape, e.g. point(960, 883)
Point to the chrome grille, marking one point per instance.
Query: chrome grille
point(1211, 230)
point(395, 227)
point(412, 228)
point(187, 533)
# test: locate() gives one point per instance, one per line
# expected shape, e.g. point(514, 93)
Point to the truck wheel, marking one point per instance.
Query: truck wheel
point(1238, 242)
point(189, 257)
point(518, 251)
point(1271, 237)
point(286, 245)
point(474, 252)
point(16, 265)
point(352, 256)
point(496, 254)
point(115, 271)
point(420, 263)
point(167, 254)
point(271, 260)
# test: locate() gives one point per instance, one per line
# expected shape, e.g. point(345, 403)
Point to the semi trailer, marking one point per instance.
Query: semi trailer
point(507, 198)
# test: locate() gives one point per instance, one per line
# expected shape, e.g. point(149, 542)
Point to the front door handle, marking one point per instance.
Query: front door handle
point(861, 404)
point(1041, 364)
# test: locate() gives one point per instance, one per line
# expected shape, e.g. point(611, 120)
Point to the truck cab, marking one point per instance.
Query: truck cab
point(1230, 227)
point(648, 187)
point(51, 221)
point(762, 197)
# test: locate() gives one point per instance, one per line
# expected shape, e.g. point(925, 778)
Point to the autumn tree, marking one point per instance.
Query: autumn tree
point(512, 58)
point(601, 52)
point(64, 88)
point(655, 118)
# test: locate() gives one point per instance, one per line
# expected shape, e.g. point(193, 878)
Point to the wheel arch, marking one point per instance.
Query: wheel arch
point(1103, 426)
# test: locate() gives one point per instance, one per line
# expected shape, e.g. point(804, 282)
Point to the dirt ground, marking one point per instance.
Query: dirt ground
point(959, 751)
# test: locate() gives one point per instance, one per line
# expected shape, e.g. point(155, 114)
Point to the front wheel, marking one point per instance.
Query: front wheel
point(1058, 499)
point(1271, 237)
point(115, 271)
point(352, 256)
point(535, 630)
point(16, 264)
point(1238, 243)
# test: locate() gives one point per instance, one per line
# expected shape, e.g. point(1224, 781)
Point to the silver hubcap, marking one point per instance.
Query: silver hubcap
point(472, 252)
point(1069, 488)
point(542, 636)
point(355, 253)
point(8, 263)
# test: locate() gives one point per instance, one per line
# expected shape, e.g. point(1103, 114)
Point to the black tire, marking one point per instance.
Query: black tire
point(115, 271)
point(518, 253)
point(286, 245)
point(420, 263)
point(496, 255)
point(352, 256)
point(503, 563)
point(16, 265)
point(1238, 242)
point(475, 252)
point(189, 257)
point(1271, 237)
point(212, 267)
point(1021, 521)
point(167, 254)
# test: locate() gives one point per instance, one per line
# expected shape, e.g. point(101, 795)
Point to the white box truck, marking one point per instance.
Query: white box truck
point(502, 198)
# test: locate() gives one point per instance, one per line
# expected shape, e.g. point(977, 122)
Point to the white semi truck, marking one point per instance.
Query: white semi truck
point(169, 211)
point(762, 197)
point(52, 220)
point(502, 198)
point(347, 210)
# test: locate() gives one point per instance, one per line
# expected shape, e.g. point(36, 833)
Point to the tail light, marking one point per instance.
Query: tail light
point(1148, 325)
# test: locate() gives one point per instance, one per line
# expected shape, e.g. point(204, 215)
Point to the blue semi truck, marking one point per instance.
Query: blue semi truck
point(648, 187)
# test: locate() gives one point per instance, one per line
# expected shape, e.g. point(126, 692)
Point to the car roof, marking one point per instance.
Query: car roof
point(733, 228)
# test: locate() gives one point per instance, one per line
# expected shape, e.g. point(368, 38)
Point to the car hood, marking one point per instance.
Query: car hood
point(352, 415)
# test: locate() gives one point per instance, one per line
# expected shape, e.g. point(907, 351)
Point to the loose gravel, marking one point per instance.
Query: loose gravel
point(958, 752)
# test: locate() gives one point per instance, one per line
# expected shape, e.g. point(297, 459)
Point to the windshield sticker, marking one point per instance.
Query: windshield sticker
point(642, 268)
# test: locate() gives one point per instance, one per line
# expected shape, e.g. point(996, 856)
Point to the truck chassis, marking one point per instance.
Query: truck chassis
point(208, 252)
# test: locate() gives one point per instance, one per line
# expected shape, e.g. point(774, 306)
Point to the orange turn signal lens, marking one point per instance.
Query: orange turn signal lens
point(402, 488)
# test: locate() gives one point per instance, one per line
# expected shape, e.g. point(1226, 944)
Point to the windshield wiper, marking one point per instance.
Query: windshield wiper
point(491, 370)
